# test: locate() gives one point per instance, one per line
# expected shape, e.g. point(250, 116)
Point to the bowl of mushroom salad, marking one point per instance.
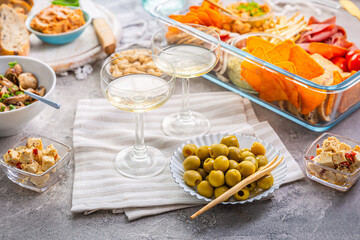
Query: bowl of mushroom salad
point(18, 74)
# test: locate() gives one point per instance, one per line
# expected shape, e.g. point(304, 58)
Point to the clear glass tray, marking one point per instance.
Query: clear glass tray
point(345, 97)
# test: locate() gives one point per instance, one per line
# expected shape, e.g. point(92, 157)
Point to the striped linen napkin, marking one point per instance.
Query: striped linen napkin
point(101, 131)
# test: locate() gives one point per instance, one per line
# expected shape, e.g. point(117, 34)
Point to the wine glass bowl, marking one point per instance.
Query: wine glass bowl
point(138, 92)
point(191, 56)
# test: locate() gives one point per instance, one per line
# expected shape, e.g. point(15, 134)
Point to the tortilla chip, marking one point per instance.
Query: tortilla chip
point(259, 52)
point(310, 98)
point(326, 50)
point(262, 79)
point(253, 42)
point(290, 87)
point(281, 52)
point(305, 65)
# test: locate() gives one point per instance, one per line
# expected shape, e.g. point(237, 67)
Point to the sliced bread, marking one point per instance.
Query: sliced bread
point(14, 37)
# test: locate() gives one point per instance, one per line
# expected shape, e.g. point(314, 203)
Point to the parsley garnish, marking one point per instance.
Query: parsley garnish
point(12, 107)
point(2, 108)
point(12, 64)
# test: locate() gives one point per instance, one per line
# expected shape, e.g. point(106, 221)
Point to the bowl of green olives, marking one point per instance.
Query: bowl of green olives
point(209, 165)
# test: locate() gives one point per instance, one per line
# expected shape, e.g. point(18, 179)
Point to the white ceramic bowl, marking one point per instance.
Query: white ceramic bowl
point(13, 122)
point(245, 141)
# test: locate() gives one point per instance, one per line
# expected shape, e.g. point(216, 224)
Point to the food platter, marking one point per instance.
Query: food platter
point(177, 170)
point(86, 49)
point(343, 100)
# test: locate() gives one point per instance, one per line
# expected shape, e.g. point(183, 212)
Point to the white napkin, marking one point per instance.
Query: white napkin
point(101, 131)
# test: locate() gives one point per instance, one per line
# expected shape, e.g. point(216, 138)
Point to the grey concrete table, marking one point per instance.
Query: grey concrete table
point(301, 210)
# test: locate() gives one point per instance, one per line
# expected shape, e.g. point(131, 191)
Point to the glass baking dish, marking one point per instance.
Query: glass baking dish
point(335, 102)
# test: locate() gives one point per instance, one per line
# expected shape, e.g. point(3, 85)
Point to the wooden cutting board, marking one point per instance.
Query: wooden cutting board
point(86, 49)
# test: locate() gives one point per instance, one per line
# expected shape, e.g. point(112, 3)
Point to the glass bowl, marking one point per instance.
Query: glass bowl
point(256, 22)
point(245, 141)
point(325, 175)
point(234, 62)
point(39, 182)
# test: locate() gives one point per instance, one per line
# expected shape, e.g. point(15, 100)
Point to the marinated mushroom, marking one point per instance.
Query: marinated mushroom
point(27, 80)
point(12, 86)
point(13, 73)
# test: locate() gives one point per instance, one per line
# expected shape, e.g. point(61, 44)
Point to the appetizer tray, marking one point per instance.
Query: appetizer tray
point(338, 100)
point(85, 49)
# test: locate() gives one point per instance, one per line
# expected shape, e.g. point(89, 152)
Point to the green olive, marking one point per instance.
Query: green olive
point(244, 149)
point(258, 149)
point(234, 154)
point(205, 189)
point(265, 182)
point(192, 178)
point(232, 177)
point(253, 160)
point(233, 164)
point(191, 163)
point(245, 154)
point(203, 152)
point(242, 195)
point(208, 165)
point(189, 149)
point(262, 160)
point(218, 150)
point(216, 178)
point(230, 141)
point(207, 178)
point(221, 163)
point(219, 191)
point(202, 172)
point(246, 168)
point(251, 186)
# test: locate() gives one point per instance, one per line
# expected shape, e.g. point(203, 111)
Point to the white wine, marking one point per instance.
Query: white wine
point(188, 60)
point(138, 92)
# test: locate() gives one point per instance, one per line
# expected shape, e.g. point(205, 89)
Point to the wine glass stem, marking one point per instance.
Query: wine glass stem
point(185, 111)
point(139, 148)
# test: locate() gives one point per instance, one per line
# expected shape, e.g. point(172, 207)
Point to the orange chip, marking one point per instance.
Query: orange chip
point(326, 50)
point(290, 87)
point(281, 52)
point(253, 42)
point(305, 65)
point(262, 79)
point(259, 52)
point(337, 78)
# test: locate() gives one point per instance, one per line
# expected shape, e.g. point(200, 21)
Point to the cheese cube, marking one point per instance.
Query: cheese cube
point(47, 162)
point(12, 157)
point(345, 147)
point(331, 144)
point(50, 151)
point(41, 180)
point(20, 148)
point(318, 151)
point(27, 156)
point(357, 148)
point(339, 157)
point(31, 167)
point(35, 142)
point(326, 159)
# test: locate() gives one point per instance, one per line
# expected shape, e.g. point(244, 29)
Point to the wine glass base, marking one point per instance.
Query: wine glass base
point(197, 125)
point(131, 166)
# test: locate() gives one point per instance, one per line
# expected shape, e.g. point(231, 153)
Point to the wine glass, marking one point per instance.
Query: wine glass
point(138, 93)
point(191, 57)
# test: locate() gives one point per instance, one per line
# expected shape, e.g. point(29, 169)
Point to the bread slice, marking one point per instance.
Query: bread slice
point(14, 37)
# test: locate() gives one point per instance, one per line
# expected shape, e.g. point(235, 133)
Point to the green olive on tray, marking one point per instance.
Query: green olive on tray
point(216, 168)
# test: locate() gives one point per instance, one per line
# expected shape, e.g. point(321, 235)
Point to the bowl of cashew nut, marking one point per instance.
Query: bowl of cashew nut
point(130, 62)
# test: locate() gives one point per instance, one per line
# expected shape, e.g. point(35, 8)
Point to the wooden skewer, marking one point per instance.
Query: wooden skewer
point(223, 9)
point(267, 169)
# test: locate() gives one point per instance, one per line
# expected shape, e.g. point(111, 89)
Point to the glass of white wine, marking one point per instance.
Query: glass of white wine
point(138, 93)
point(191, 56)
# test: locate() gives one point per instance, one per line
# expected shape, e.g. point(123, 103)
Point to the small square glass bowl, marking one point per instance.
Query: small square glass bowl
point(39, 182)
point(325, 175)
